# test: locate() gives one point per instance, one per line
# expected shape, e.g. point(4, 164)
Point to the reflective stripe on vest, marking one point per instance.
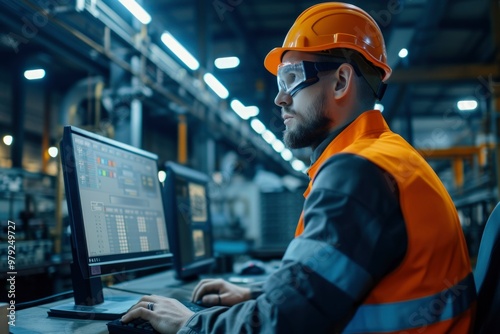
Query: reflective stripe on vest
point(319, 256)
point(417, 313)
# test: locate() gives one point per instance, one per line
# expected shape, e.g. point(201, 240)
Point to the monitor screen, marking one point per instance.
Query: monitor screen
point(115, 205)
point(115, 208)
point(189, 222)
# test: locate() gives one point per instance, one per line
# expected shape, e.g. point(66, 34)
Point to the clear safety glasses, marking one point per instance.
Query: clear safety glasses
point(292, 77)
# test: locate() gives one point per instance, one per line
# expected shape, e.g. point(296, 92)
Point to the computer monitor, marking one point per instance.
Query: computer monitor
point(187, 209)
point(116, 215)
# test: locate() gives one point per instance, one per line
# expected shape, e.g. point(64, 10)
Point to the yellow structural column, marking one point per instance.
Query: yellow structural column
point(495, 105)
point(182, 151)
point(458, 172)
point(494, 85)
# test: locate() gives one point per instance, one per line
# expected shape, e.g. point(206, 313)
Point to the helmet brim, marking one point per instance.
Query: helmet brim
point(273, 58)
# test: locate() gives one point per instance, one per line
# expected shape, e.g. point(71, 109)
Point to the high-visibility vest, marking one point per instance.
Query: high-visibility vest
point(432, 290)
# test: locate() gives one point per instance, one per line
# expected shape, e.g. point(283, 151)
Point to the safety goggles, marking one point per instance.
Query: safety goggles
point(292, 77)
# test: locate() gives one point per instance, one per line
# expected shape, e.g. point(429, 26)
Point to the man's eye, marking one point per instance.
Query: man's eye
point(290, 78)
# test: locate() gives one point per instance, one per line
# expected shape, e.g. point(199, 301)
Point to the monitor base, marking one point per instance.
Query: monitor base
point(112, 308)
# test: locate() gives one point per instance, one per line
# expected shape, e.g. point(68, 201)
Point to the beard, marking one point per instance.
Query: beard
point(310, 127)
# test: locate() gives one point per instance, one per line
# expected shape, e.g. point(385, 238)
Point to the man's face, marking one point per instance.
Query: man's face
point(304, 114)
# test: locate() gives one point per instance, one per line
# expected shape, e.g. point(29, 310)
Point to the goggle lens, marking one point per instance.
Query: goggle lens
point(290, 75)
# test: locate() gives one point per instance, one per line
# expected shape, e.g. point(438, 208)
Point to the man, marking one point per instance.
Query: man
point(379, 247)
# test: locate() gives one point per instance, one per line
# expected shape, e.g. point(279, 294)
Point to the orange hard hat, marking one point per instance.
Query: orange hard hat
point(333, 25)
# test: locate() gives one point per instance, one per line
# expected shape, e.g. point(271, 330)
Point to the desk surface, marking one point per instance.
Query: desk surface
point(36, 320)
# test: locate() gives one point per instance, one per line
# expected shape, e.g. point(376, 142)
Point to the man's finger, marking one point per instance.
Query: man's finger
point(212, 299)
point(139, 312)
point(207, 288)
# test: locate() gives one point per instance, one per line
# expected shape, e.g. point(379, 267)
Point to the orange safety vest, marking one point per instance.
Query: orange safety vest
point(432, 290)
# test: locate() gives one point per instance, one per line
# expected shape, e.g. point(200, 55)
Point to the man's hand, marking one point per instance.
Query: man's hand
point(166, 315)
point(215, 292)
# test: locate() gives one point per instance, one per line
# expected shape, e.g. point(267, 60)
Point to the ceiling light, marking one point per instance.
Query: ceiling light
point(268, 136)
point(379, 106)
point(53, 151)
point(7, 140)
point(34, 74)
point(245, 112)
point(467, 105)
point(252, 111)
point(135, 9)
point(216, 85)
point(257, 126)
point(238, 108)
point(226, 62)
point(403, 53)
point(278, 146)
point(162, 175)
point(183, 54)
point(286, 154)
point(298, 165)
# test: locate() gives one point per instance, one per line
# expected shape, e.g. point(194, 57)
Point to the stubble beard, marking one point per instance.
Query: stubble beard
point(310, 127)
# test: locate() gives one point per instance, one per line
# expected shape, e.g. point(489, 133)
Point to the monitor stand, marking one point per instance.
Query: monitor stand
point(89, 301)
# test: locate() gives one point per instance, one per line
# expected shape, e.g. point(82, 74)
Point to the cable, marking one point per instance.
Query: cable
point(53, 298)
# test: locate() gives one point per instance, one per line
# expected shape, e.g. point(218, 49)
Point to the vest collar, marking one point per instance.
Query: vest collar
point(368, 122)
point(322, 146)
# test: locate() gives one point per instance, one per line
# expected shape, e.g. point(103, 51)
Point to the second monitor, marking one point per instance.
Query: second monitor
point(187, 212)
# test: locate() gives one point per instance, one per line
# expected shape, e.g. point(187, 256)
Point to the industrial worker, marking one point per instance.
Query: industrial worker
point(379, 246)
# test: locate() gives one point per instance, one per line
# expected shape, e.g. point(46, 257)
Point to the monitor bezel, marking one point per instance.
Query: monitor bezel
point(192, 270)
point(78, 236)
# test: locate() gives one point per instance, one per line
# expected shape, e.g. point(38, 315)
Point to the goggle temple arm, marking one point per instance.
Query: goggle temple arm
point(381, 91)
point(302, 85)
point(311, 70)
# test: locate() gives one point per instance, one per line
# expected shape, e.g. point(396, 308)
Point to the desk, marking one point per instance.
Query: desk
point(36, 320)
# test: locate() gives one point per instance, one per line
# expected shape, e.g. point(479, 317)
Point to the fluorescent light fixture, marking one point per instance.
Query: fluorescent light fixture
point(467, 105)
point(180, 51)
point(238, 108)
point(162, 175)
point(403, 53)
point(53, 151)
point(34, 74)
point(226, 62)
point(243, 111)
point(286, 154)
point(268, 136)
point(252, 111)
point(216, 85)
point(379, 106)
point(8, 139)
point(278, 146)
point(135, 9)
point(298, 165)
point(257, 126)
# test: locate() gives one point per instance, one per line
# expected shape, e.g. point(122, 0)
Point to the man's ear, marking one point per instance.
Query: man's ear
point(344, 80)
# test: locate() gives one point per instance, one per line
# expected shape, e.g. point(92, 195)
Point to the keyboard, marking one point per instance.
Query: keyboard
point(141, 326)
point(135, 326)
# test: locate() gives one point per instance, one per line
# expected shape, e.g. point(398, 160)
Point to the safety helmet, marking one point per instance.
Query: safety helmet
point(333, 25)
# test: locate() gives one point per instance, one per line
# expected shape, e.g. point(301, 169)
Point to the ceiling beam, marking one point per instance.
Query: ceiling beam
point(426, 28)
